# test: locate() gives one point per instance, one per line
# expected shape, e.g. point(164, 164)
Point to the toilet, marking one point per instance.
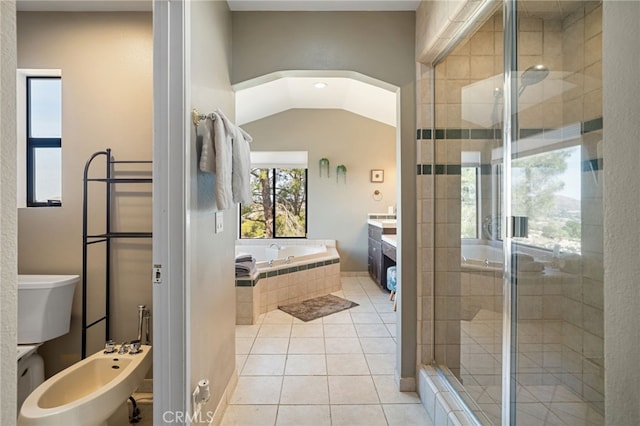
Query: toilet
point(44, 313)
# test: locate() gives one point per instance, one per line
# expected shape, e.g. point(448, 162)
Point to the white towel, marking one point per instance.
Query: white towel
point(208, 155)
point(241, 161)
point(241, 178)
point(217, 158)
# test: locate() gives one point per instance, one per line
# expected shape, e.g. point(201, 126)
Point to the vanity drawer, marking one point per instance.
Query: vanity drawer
point(389, 251)
point(375, 232)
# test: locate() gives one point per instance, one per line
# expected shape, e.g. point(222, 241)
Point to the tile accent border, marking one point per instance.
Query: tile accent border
point(248, 282)
point(439, 169)
point(461, 133)
point(381, 216)
point(589, 126)
point(592, 165)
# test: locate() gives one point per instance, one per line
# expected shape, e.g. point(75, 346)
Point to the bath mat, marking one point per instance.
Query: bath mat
point(317, 307)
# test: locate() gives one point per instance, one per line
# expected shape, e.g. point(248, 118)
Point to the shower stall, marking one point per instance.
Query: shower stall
point(511, 208)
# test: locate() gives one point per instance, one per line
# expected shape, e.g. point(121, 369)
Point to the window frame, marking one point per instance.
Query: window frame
point(272, 170)
point(32, 143)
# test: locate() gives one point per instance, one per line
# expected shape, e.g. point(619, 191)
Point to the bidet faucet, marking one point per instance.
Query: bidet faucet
point(143, 314)
point(109, 347)
point(124, 348)
point(135, 347)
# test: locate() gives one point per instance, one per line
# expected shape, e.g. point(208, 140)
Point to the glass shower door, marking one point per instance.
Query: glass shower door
point(553, 238)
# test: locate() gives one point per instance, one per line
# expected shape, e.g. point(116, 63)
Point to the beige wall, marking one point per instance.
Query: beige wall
point(210, 256)
point(621, 216)
point(377, 44)
point(106, 63)
point(336, 210)
point(8, 219)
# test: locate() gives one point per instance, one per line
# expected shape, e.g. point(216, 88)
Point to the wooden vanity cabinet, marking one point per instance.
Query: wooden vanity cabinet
point(376, 261)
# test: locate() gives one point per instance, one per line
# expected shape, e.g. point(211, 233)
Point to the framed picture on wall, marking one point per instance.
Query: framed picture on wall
point(377, 175)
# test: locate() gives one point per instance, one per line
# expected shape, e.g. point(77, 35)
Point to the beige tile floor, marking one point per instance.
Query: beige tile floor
point(336, 370)
point(542, 399)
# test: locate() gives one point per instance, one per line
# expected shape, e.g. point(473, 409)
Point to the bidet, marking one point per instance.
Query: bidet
point(91, 392)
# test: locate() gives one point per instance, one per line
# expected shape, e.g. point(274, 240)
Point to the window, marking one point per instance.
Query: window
point(279, 208)
point(546, 188)
point(469, 201)
point(40, 115)
point(469, 194)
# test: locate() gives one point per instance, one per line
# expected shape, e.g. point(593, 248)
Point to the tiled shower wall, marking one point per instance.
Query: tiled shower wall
point(572, 46)
point(583, 305)
point(440, 144)
point(425, 215)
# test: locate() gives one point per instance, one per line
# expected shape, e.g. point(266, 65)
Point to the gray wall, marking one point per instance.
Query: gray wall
point(621, 216)
point(8, 219)
point(106, 63)
point(211, 294)
point(377, 44)
point(336, 210)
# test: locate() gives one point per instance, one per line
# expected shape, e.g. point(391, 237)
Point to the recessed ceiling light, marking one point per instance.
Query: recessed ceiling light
point(320, 85)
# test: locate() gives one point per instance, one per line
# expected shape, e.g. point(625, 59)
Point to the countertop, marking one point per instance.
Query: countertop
point(392, 239)
point(383, 223)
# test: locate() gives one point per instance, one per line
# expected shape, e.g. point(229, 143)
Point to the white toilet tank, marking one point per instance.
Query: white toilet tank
point(44, 306)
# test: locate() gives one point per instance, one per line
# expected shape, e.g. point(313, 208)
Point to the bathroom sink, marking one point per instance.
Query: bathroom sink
point(89, 392)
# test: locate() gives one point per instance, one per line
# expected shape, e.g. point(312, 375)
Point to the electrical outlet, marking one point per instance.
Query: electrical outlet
point(219, 222)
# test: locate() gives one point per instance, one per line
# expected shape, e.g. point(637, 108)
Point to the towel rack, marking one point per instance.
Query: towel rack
point(196, 117)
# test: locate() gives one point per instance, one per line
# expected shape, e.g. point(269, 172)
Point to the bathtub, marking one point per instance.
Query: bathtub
point(489, 258)
point(272, 256)
point(481, 256)
point(293, 271)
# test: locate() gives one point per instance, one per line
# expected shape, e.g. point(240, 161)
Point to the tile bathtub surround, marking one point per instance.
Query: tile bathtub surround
point(336, 370)
point(283, 286)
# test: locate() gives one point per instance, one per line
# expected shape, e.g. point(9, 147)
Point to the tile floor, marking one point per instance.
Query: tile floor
point(336, 370)
point(542, 397)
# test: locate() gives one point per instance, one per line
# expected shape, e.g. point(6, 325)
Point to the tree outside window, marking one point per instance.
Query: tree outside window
point(546, 189)
point(279, 208)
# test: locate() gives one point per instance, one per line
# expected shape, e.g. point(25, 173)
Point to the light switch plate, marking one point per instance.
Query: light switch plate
point(219, 222)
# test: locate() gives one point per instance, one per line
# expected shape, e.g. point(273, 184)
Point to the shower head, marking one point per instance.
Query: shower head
point(532, 75)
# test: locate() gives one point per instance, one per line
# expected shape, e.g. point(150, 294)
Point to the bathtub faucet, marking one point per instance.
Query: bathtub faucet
point(270, 262)
point(276, 245)
point(288, 259)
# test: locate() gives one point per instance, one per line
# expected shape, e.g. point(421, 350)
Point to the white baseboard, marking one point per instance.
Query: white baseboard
point(224, 401)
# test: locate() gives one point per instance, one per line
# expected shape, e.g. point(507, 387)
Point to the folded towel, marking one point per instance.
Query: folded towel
point(245, 269)
point(244, 257)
